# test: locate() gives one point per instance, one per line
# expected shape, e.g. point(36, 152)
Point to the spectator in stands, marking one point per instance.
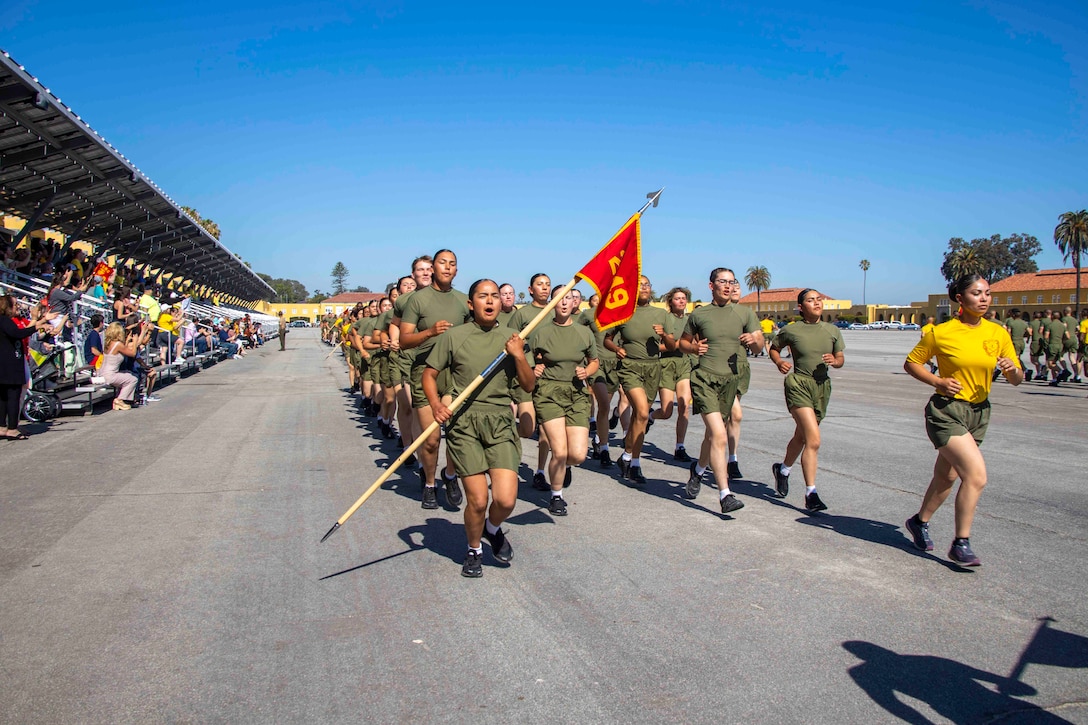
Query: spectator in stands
point(117, 348)
point(138, 336)
point(228, 339)
point(122, 305)
point(62, 295)
point(168, 338)
point(92, 345)
point(14, 371)
point(148, 304)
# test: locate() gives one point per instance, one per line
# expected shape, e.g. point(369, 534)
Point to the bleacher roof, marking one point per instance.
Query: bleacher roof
point(56, 171)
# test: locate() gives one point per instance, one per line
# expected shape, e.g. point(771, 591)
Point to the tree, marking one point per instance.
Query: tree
point(864, 278)
point(209, 226)
point(318, 296)
point(360, 288)
point(287, 290)
point(1071, 236)
point(339, 278)
point(993, 258)
point(521, 297)
point(759, 279)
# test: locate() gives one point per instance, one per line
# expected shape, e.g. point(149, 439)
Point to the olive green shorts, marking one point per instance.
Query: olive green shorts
point(712, 393)
point(419, 398)
point(481, 437)
point(557, 399)
point(1070, 345)
point(1036, 347)
point(645, 374)
point(948, 417)
point(401, 371)
point(385, 375)
point(606, 374)
point(744, 378)
point(803, 391)
point(373, 373)
point(1054, 353)
point(353, 357)
point(519, 394)
point(1018, 346)
point(673, 370)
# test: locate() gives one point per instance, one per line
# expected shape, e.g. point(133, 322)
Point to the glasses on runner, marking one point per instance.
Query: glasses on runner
point(727, 282)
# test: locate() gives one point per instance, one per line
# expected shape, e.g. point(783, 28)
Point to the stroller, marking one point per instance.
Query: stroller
point(41, 402)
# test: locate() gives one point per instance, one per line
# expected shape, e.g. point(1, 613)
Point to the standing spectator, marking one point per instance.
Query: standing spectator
point(283, 331)
point(62, 296)
point(13, 367)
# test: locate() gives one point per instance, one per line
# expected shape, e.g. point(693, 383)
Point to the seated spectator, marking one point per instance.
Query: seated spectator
point(123, 305)
point(228, 339)
point(117, 348)
point(92, 345)
point(138, 335)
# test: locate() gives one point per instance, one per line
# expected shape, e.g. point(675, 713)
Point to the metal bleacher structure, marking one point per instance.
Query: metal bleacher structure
point(57, 173)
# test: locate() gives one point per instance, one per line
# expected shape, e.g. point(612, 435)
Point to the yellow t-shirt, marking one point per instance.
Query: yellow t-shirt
point(927, 327)
point(768, 327)
point(968, 354)
point(1084, 330)
point(166, 322)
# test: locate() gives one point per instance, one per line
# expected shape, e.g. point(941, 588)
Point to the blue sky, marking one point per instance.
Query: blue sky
point(799, 139)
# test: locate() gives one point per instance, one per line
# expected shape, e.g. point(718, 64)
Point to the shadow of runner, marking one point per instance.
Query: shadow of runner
point(951, 688)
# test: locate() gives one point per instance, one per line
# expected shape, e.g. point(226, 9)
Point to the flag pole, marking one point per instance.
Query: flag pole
point(652, 197)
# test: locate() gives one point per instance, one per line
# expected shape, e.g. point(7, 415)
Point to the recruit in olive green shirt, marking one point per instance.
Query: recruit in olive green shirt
point(589, 320)
point(809, 343)
point(639, 339)
point(427, 306)
point(675, 327)
point(466, 351)
point(561, 349)
point(523, 315)
point(721, 326)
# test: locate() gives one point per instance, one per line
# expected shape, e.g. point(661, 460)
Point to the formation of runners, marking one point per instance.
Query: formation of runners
point(582, 392)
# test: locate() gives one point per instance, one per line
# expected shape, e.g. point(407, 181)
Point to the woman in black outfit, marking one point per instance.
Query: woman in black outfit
point(13, 366)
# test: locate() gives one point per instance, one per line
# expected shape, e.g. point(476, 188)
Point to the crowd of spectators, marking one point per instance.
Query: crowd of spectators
point(120, 337)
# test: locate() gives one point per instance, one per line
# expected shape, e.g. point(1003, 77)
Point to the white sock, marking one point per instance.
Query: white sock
point(626, 456)
point(603, 447)
point(557, 494)
point(732, 458)
point(699, 470)
point(540, 471)
point(810, 489)
point(491, 528)
point(592, 420)
point(723, 494)
point(479, 550)
point(636, 463)
point(784, 469)
point(679, 446)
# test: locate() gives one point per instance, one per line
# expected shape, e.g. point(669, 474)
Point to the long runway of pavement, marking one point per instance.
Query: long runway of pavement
point(163, 565)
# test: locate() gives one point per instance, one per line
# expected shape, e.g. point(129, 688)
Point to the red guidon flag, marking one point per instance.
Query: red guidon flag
point(613, 273)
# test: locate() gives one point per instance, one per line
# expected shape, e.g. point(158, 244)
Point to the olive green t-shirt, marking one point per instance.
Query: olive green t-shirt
point(675, 326)
point(1016, 328)
point(523, 315)
point(561, 349)
point(504, 317)
point(364, 326)
point(639, 339)
point(808, 344)
point(1057, 332)
point(588, 320)
point(720, 326)
point(1036, 327)
point(1071, 326)
point(427, 306)
point(466, 351)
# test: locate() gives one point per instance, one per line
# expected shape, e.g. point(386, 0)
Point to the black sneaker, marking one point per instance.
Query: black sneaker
point(430, 498)
point(961, 553)
point(920, 533)
point(650, 420)
point(733, 470)
point(731, 503)
point(681, 454)
point(384, 428)
point(411, 462)
point(557, 506)
point(454, 497)
point(540, 483)
point(1027, 375)
point(567, 478)
point(592, 429)
point(695, 482)
point(605, 459)
point(614, 420)
point(781, 483)
point(813, 502)
point(624, 465)
point(500, 547)
point(473, 567)
point(634, 475)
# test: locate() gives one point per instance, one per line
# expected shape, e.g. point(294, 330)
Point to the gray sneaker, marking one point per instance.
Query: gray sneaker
point(695, 481)
point(781, 483)
point(473, 567)
point(920, 533)
point(731, 503)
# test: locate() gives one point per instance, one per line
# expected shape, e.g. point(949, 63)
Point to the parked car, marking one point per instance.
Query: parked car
point(912, 326)
point(842, 324)
point(300, 323)
point(859, 326)
point(893, 325)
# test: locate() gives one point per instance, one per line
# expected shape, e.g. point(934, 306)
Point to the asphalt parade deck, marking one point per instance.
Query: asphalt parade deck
point(163, 565)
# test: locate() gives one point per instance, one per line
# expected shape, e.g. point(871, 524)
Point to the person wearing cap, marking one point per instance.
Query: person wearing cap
point(282, 331)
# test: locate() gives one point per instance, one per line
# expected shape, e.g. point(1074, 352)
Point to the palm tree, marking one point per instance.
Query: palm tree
point(864, 275)
point(759, 279)
point(1071, 236)
point(964, 261)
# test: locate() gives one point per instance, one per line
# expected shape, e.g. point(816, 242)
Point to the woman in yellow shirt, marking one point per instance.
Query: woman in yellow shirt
point(968, 348)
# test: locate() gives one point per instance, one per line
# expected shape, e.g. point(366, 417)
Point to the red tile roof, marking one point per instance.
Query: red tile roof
point(350, 298)
point(782, 294)
point(1044, 279)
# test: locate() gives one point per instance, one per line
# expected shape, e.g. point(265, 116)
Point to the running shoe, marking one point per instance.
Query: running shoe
point(430, 498)
point(557, 506)
point(473, 567)
point(567, 479)
point(813, 502)
point(1027, 375)
point(605, 459)
point(650, 421)
point(500, 547)
point(634, 475)
point(920, 533)
point(411, 462)
point(733, 470)
point(781, 483)
point(681, 454)
point(540, 483)
point(731, 503)
point(961, 553)
point(385, 430)
point(614, 420)
point(152, 399)
point(453, 491)
point(624, 465)
point(695, 482)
